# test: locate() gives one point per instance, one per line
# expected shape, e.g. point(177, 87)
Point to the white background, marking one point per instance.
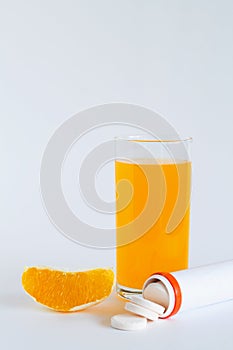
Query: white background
point(60, 57)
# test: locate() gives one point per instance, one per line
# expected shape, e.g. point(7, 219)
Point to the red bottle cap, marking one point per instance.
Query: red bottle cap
point(177, 292)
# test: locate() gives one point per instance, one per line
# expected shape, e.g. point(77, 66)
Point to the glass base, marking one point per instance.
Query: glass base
point(126, 292)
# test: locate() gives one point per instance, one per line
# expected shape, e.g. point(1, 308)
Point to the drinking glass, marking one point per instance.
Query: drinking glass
point(153, 183)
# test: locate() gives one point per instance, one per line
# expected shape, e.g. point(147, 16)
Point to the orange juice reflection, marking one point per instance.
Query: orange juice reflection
point(158, 249)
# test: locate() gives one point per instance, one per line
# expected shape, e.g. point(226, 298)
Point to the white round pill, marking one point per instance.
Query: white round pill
point(141, 311)
point(127, 322)
point(157, 293)
point(139, 300)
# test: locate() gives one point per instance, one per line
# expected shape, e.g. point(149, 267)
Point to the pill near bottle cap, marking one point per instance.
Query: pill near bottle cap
point(142, 311)
point(157, 293)
point(140, 300)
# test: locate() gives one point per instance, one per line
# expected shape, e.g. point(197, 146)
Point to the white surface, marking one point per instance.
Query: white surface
point(127, 322)
point(59, 57)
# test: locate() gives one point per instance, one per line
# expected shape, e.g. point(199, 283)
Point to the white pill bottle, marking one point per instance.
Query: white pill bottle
point(191, 288)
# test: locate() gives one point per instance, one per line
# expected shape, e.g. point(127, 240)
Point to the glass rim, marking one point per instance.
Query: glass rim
point(144, 138)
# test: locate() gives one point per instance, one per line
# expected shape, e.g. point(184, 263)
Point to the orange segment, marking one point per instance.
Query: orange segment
point(67, 291)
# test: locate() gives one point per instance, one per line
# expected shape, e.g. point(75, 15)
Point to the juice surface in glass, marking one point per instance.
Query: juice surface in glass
point(164, 246)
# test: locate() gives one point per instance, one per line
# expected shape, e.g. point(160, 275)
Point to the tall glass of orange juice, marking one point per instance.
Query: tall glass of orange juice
point(153, 181)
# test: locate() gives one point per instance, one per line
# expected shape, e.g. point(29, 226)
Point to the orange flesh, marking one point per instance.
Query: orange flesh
point(156, 250)
point(63, 291)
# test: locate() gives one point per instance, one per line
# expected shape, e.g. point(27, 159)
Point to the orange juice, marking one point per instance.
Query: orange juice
point(163, 246)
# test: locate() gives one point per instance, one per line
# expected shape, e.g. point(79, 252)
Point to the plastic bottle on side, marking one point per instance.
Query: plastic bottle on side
point(191, 288)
